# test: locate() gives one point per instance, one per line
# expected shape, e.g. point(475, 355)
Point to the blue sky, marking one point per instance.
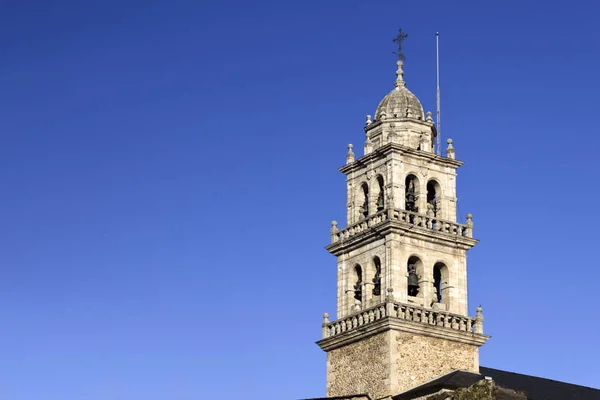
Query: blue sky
point(169, 173)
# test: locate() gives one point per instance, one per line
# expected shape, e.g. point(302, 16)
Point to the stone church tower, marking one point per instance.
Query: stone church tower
point(402, 313)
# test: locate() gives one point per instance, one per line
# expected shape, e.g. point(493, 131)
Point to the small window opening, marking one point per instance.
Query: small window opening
point(377, 277)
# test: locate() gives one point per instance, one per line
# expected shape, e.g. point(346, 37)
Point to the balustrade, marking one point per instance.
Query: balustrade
point(354, 229)
point(433, 223)
point(405, 312)
point(409, 217)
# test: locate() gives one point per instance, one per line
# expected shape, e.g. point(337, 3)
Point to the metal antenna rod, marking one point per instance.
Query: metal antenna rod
point(439, 128)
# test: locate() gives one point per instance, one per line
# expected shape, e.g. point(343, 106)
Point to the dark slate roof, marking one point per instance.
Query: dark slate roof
point(451, 381)
point(535, 388)
point(540, 388)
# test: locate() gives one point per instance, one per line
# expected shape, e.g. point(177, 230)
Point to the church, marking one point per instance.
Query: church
point(402, 329)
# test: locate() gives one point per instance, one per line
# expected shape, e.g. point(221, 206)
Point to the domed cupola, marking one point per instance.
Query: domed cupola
point(400, 102)
point(400, 119)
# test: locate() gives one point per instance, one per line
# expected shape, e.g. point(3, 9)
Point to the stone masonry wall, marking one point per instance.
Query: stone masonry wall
point(361, 367)
point(419, 359)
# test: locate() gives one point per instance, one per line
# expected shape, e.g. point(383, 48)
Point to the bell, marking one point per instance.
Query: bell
point(365, 208)
point(377, 285)
point(358, 290)
point(380, 202)
point(410, 201)
point(413, 279)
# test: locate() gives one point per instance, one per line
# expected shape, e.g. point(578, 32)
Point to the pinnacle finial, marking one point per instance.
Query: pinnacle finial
point(450, 149)
point(350, 155)
point(478, 326)
point(400, 75)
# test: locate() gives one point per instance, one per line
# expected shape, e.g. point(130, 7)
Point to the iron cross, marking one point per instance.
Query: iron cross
point(399, 39)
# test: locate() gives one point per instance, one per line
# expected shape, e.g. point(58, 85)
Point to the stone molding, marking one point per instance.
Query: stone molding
point(396, 148)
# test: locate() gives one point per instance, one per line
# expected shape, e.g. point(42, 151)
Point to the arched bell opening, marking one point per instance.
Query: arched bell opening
point(434, 194)
point(440, 283)
point(414, 269)
point(411, 193)
point(376, 276)
point(363, 208)
point(381, 195)
point(358, 283)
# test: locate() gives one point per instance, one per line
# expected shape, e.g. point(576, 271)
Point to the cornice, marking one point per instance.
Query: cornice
point(378, 123)
point(383, 151)
point(387, 227)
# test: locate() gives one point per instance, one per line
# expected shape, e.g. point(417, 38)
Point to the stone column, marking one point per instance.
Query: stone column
point(397, 277)
point(422, 200)
point(426, 282)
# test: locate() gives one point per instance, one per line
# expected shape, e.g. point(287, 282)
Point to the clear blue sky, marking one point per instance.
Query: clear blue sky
point(169, 173)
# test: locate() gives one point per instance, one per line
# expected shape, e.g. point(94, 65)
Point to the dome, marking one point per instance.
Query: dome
point(400, 102)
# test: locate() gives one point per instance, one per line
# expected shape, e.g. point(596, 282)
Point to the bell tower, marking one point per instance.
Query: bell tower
point(402, 313)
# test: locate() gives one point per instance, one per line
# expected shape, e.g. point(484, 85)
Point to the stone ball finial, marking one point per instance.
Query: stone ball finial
point(429, 118)
point(479, 310)
point(389, 297)
point(333, 224)
point(369, 121)
point(450, 149)
point(325, 322)
point(350, 155)
point(469, 216)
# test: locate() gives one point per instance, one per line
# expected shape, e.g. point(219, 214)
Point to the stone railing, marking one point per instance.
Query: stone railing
point(409, 217)
point(354, 229)
point(405, 312)
point(436, 224)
